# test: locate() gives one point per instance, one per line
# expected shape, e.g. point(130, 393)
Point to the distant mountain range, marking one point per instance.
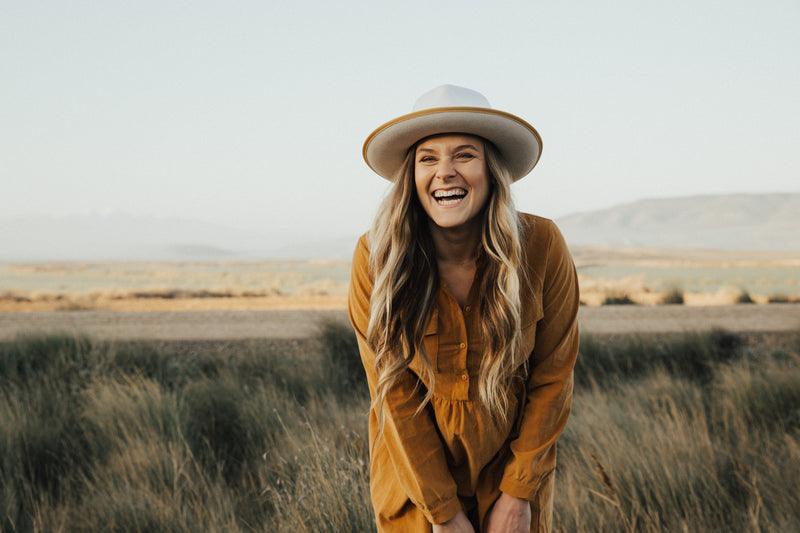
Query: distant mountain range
point(722, 222)
point(100, 237)
point(726, 222)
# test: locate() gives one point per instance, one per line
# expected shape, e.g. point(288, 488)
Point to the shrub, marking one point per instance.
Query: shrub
point(744, 298)
point(618, 300)
point(778, 299)
point(673, 297)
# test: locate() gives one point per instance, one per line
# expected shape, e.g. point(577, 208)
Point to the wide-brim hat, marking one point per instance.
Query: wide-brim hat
point(452, 109)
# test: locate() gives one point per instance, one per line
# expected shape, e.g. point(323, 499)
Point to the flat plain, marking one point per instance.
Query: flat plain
point(300, 324)
point(228, 300)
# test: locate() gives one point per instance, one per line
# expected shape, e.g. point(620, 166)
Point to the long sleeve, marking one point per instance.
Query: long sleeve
point(417, 460)
point(528, 472)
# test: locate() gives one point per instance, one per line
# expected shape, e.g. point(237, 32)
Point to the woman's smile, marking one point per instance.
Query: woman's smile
point(450, 197)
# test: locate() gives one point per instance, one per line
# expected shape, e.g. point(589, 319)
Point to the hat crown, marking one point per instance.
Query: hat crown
point(450, 96)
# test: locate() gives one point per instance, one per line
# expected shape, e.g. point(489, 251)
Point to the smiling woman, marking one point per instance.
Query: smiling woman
point(466, 317)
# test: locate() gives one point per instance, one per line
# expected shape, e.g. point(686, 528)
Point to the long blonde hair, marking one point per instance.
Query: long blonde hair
point(406, 281)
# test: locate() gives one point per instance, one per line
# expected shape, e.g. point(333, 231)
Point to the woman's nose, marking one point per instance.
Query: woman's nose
point(445, 169)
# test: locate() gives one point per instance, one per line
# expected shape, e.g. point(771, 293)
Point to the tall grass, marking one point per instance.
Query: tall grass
point(692, 433)
point(138, 437)
point(700, 433)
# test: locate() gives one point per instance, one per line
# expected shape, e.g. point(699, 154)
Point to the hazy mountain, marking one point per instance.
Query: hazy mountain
point(126, 237)
point(740, 221)
point(340, 248)
point(726, 222)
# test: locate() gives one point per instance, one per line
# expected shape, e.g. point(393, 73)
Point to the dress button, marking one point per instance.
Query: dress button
point(467, 308)
point(464, 377)
point(462, 345)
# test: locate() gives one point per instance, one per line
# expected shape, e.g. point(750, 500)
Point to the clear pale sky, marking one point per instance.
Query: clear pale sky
point(252, 114)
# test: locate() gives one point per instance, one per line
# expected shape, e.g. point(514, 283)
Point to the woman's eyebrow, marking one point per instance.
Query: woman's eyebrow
point(456, 149)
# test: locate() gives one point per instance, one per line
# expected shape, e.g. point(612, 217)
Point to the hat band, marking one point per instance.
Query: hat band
point(435, 110)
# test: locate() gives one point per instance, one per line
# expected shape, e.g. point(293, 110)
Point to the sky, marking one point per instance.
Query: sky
point(252, 114)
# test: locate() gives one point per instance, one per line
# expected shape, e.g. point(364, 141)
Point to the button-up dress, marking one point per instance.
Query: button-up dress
point(453, 455)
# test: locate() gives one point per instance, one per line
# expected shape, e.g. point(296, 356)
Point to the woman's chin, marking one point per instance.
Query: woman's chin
point(452, 223)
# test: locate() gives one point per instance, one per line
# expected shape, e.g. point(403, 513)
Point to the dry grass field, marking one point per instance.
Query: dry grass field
point(646, 277)
point(192, 286)
point(229, 397)
point(702, 277)
point(695, 432)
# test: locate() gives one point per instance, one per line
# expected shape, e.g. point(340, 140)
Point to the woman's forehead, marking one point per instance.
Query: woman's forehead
point(450, 140)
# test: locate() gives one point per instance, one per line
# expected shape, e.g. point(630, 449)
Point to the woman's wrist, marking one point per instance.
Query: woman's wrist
point(458, 524)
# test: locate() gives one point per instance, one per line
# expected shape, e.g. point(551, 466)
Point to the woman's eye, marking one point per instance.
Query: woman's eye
point(464, 156)
point(426, 159)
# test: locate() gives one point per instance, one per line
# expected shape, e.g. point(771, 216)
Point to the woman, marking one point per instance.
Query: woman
point(466, 316)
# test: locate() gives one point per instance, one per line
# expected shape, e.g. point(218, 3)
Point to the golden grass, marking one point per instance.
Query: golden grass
point(312, 295)
point(319, 285)
point(593, 293)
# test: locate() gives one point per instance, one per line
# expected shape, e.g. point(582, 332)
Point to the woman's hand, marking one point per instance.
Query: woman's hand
point(458, 524)
point(509, 515)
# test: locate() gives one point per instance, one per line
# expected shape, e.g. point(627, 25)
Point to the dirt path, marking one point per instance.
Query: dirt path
point(678, 318)
point(230, 325)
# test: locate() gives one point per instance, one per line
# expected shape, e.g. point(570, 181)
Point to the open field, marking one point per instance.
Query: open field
point(300, 324)
point(645, 276)
point(695, 432)
point(704, 277)
point(198, 406)
point(177, 286)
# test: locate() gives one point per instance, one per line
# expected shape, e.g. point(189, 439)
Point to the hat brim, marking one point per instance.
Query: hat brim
point(518, 142)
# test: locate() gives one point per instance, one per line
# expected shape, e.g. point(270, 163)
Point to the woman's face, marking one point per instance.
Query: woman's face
point(452, 178)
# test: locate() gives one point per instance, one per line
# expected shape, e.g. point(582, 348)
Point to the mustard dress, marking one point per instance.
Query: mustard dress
point(452, 456)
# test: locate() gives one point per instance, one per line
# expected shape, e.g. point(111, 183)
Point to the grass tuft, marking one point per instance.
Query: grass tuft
point(341, 360)
point(31, 358)
point(215, 426)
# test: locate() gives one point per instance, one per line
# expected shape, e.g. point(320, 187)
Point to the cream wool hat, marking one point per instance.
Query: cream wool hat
point(452, 109)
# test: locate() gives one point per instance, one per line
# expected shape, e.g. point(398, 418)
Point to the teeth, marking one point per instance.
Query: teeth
point(448, 201)
point(451, 192)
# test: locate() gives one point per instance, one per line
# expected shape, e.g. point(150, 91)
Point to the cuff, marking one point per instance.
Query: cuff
point(442, 512)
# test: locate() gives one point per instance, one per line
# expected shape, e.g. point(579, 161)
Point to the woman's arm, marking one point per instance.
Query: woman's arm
point(528, 473)
point(411, 439)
